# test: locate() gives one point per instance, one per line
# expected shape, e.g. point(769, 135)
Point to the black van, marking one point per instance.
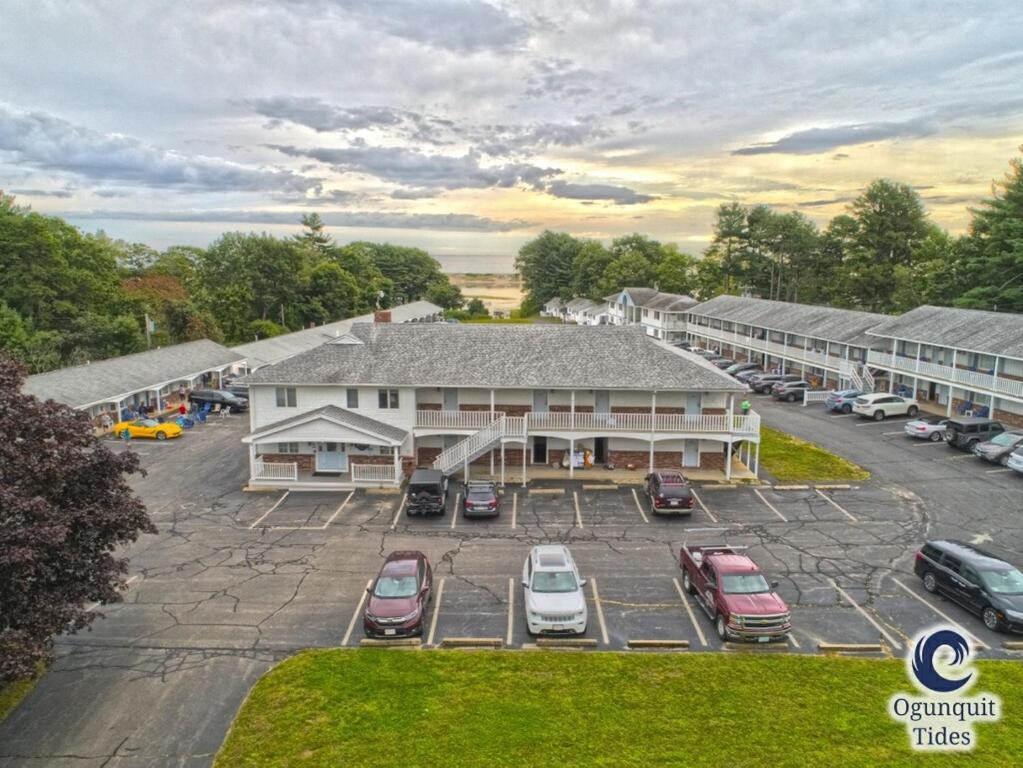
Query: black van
point(980, 582)
point(427, 493)
point(964, 432)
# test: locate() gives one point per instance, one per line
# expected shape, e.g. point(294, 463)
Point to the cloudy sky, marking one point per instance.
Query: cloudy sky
point(467, 126)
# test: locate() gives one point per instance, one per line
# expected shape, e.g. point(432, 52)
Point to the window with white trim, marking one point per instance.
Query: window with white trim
point(287, 447)
point(286, 397)
point(353, 398)
point(387, 398)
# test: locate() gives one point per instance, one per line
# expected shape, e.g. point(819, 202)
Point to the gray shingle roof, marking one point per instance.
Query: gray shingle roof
point(342, 416)
point(994, 333)
point(554, 302)
point(579, 304)
point(500, 356)
point(84, 385)
point(277, 348)
point(670, 302)
point(843, 325)
point(640, 296)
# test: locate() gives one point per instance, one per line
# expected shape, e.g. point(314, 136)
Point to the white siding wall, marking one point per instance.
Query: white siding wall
point(263, 404)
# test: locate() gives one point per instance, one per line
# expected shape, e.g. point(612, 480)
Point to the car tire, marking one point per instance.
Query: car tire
point(935, 437)
point(687, 583)
point(720, 627)
point(990, 617)
point(847, 408)
point(930, 582)
point(1004, 461)
point(791, 398)
point(161, 435)
point(913, 411)
point(878, 415)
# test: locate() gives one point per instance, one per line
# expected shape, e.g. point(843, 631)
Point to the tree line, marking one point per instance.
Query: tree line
point(882, 255)
point(67, 297)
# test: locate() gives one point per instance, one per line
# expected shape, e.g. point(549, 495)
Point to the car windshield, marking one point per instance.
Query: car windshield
point(1006, 439)
point(481, 495)
point(395, 586)
point(1005, 581)
point(554, 581)
point(744, 583)
point(147, 422)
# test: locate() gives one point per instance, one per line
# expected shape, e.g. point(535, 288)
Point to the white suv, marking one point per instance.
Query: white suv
point(880, 405)
point(555, 602)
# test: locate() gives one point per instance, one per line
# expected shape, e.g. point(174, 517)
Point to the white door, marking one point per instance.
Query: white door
point(331, 457)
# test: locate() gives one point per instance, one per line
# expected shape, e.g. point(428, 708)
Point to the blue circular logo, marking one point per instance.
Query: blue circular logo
point(927, 647)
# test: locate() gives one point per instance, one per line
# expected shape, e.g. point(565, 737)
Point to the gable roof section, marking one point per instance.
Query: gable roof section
point(336, 415)
point(843, 325)
point(670, 302)
point(640, 296)
point(992, 333)
point(276, 348)
point(103, 380)
point(501, 356)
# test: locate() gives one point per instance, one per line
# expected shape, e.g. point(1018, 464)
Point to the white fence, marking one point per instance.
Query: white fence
point(641, 422)
point(960, 376)
point(455, 419)
point(815, 397)
point(375, 473)
point(267, 470)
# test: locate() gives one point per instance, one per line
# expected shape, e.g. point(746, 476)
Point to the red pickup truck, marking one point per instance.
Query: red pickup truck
point(733, 592)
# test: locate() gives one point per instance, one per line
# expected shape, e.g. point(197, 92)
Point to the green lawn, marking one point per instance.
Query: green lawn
point(376, 707)
point(791, 460)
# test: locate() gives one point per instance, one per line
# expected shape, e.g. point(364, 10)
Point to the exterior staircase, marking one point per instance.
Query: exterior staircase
point(475, 445)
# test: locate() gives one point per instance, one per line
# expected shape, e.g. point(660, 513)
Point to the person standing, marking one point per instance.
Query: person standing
point(746, 406)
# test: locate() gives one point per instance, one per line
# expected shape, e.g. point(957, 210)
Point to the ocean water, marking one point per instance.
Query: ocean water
point(462, 264)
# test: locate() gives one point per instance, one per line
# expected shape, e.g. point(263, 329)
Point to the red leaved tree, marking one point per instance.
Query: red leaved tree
point(65, 507)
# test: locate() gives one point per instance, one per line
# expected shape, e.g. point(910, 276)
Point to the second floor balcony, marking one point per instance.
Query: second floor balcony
point(986, 380)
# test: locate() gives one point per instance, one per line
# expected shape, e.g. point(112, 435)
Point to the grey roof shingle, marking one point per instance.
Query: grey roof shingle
point(500, 356)
point(579, 304)
point(842, 325)
point(277, 348)
point(342, 416)
point(84, 385)
point(994, 333)
point(670, 302)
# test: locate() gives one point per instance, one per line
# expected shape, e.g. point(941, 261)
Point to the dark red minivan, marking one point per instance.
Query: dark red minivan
point(398, 598)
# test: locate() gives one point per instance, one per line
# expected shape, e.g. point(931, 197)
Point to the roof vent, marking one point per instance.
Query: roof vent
point(347, 338)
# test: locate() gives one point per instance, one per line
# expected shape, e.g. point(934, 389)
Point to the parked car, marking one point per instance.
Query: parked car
point(745, 376)
point(481, 499)
point(926, 428)
point(723, 362)
point(399, 596)
point(736, 368)
point(842, 400)
point(554, 599)
point(221, 397)
point(669, 492)
point(147, 428)
point(880, 405)
point(733, 592)
point(238, 390)
point(427, 493)
point(763, 384)
point(980, 582)
point(964, 432)
point(790, 391)
point(998, 449)
point(1015, 461)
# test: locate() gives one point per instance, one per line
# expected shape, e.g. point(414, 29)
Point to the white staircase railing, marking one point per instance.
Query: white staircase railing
point(868, 379)
point(474, 445)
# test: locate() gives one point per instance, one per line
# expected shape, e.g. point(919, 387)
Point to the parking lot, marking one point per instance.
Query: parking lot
point(235, 581)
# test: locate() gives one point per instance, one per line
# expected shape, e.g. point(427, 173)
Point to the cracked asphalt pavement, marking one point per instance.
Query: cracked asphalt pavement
point(231, 585)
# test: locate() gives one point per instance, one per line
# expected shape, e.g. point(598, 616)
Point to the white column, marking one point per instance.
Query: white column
point(465, 471)
point(756, 471)
point(994, 385)
point(571, 409)
point(571, 454)
point(502, 463)
point(397, 464)
point(252, 460)
point(653, 419)
point(491, 404)
point(524, 445)
point(728, 461)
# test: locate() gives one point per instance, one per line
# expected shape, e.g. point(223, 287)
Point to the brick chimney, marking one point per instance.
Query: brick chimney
point(382, 316)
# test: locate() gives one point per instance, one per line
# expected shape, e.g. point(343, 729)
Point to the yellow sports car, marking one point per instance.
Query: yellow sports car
point(146, 428)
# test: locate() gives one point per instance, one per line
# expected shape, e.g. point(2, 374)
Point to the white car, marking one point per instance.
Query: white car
point(554, 598)
point(880, 405)
point(1016, 460)
point(926, 429)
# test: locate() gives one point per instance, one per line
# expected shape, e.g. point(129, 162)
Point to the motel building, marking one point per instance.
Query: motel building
point(661, 315)
point(368, 407)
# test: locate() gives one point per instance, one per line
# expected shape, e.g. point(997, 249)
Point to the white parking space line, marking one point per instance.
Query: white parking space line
point(515, 504)
point(959, 458)
point(263, 516)
point(703, 506)
point(338, 510)
point(969, 635)
point(639, 507)
point(600, 610)
point(996, 471)
point(358, 612)
point(394, 522)
point(454, 513)
point(882, 422)
point(925, 443)
point(835, 504)
point(436, 612)
point(842, 415)
point(93, 606)
point(770, 506)
point(689, 610)
point(791, 637)
point(863, 612)
point(578, 514)
point(511, 611)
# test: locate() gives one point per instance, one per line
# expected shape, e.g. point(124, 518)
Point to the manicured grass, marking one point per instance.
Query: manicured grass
point(375, 707)
point(11, 694)
point(791, 460)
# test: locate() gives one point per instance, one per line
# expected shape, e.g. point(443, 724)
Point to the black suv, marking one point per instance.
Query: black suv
point(219, 397)
point(669, 492)
point(427, 493)
point(481, 499)
point(980, 582)
point(964, 432)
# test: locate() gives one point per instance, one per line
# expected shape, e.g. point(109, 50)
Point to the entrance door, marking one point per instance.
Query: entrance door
point(691, 453)
point(600, 450)
point(539, 449)
point(693, 404)
point(331, 457)
point(450, 400)
point(540, 400)
point(601, 401)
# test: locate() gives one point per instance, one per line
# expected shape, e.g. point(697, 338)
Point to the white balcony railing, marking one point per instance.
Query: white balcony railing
point(269, 470)
point(794, 353)
point(960, 376)
point(455, 419)
point(642, 422)
point(375, 473)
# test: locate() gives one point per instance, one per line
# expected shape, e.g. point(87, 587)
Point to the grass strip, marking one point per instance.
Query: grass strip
point(791, 460)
